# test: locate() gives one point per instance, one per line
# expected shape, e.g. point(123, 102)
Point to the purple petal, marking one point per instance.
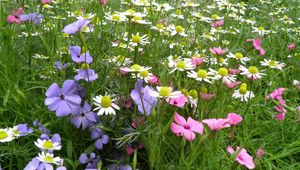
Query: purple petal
point(53, 90)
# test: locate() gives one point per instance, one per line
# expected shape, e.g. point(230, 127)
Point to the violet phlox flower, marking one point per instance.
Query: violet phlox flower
point(90, 160)
point(34, 17)
point(242, 157)
point(100, 137)
point(84, 118)
point(76, 26)
point(41, 127)
point(80, 56)
point(35, 163)
point(141, 97)
point(21, 130)
point(63, 100)
point(186, 128)
point(86, 73)
point(60, 66)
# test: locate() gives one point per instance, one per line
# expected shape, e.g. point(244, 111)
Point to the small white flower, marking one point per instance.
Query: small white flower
point(251, 73)
point(183, 65)
point(134, 68)
point(164, 92)
point(116, 17)
point(239, 57)
point(105, 105)
point(177, 30)
point(272, 64)
point(47, 144)
point(6, 135)
point(243, 94)
point(201, 75)
point(222, 74)
point(48, 158)
point(137, 39)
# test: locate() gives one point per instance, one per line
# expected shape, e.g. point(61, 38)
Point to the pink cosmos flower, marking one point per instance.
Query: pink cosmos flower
point(216, 124)
point(234, 119)
point(291, 47)
point(257, 45)
point(276, 93)
point(232, 85)
point(153, 79)
point(15, 16)
point(180, 101)
point(217, 51)
point(196, 61)
point(46, 1)
point(260, 152)
point(103, 2)
point(242, 157)
point(234, 71)
point(206, 96)
point(217, 23)
point(181, 127)
point(280, 116)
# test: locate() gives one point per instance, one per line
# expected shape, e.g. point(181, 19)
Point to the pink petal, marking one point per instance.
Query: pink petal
point(178, 130)
point(234, 119)
point(189, 135)
point(195, 125)
point(179, 119)
point(230, 149)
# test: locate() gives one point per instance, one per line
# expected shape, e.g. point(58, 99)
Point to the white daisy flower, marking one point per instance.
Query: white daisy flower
point(162, 7)
point(251, 73)
point(261, 31)
point(48, 158)
point(120, 60)
point(164, 92)
point(272, 64)
point(243, 94)
point(183, 65)
point(201, 75)
point(6, 135)
point(116, 17)
point(190, 4)
point(238, 56)
point(159, 27)
point(134, 68)
point(177, 30)
point(105, 105)
point(222, 73)
point(137, 39)
point(139, 20)
point(47, 144)
point(144, 75)
point(144, 3)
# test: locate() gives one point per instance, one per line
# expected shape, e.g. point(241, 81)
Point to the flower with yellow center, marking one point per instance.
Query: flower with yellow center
point(182, 65)
point(105, 105)
point(177, 30)
point(223, 74)
point(272, 64)
point(164, 92)
point(6, 135)
point(49, 158)
point(47, 144)
point(135, 68)
point(242, 93)
point(239, 57)
point(251, 72)
point(116, 17)
point(201, 75)
point(137, 39)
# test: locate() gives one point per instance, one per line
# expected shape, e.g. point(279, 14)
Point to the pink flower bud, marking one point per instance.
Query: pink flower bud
point(291, 47)
point(260, 152)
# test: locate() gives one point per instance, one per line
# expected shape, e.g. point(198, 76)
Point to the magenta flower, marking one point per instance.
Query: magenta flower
point(179, 101)
point(181, 127)
point(232, 85)
point(242, 157)
point(234, 71)
point(291, 47)
point(206, 96)
point(217, 24)
point(46, 1)
point(234, 119)
point(15, 16)
point(217, 51)
point(257, 45)
point(276, 93)
point(196, 61)
point(260, 152)
point(216, 124)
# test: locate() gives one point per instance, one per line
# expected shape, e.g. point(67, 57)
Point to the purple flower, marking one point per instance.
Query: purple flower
point(40, 127)
point(60, 66)
point(84, 118)
point(65, 100)
point(35, 164)
point(91, 161)
point(34, 17)
point(77, 57)
point(145, 102)
point(86, 74)
point(22, 130)
point(101, 138)
point(76, 26)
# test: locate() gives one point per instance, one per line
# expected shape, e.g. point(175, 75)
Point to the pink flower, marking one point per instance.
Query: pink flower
point(234, 119)
point(15, 16)
point(291, 47)
point(276, 93)
point(232, 85)
point(257, 45)
point(181, 127)
point(280, 116)
point(216, 124)
point(217, 23)
point(141, 122)
point(153, 79)
point(179, 101)
point(46, 1)
point(103, 2)
point(196, 61)
point(129, 150)
point(242, 157)
point(217, 51)
point(206, 96)
point(260, 152)
point(234, 71)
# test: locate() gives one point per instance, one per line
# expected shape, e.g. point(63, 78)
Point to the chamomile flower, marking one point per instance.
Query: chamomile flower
point(164, 92)
point(159, 27)
point(138, 40)
point(272, 64)
point(137, 18)
point(177, 30)
point(144, 3)
point(190, 4)
point(251, 72)
point(177, 14)
point(116, 17)
point(239, 57)
point(243, 94)
point(47, 144)
point(201, 75)
point(183, 65)
point(48, 158)
point(120, 60)
point(134, 68)
point(162, 7)
point(105, 105)
point(144, 75)
point(261, 31)
point(222, 74)
point(6, 135)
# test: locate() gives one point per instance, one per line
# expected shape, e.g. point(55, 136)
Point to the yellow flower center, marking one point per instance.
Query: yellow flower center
point(179, 29)
point(48, 159)
point(261, 28)
point(144, 73)
point(243, 89)
point(116, 17)
point(253, 69)
point(203, 89)
point(214, 16)
point(130, 11)
point(178, 12)
point(193, 93)
point(160, 26)
point(181, 65)
point(137, 18)
point(85, 66)
point(202, 73)
point(136, 67)
point(221, 60)
point(223, 71)
point(136, 39)
point(272, 63)
point(3, 135)
point(106, 101)
point(48, 144)
point(238, 55)
point(165, 91)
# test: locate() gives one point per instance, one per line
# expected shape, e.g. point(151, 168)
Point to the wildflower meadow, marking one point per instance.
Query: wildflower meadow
point(149, 84)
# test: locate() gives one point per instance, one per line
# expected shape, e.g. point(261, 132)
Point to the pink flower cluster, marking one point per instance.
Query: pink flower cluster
point(257, 45)
point(277, 94)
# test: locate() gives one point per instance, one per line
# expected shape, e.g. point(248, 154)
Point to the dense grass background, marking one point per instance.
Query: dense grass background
point(24, 80)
